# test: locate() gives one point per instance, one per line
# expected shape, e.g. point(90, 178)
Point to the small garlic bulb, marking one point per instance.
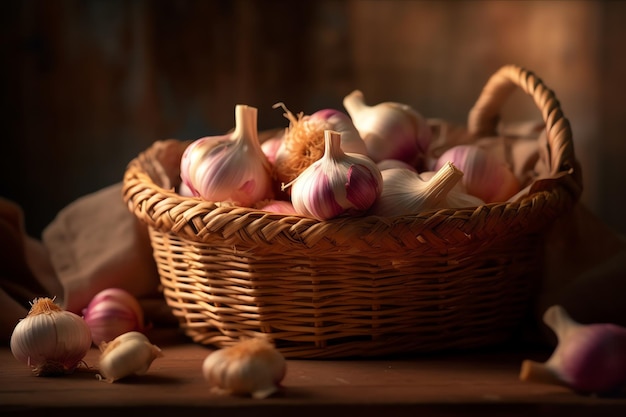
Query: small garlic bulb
point(231, 167)
point(485, 176)
point(251, 366)
point(303, 142)
point(406, 192)
point(112, 312)
point(50, 340)
point(337, 183)
point(128, 354)
point(390, 130)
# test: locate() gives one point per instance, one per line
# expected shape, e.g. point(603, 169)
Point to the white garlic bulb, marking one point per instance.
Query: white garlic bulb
point(406, 192)
point(128, 354)
point(52, 341)
point(390, 130)
point(252, 366)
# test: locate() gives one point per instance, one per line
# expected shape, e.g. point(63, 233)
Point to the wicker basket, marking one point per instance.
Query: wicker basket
point(367, 286)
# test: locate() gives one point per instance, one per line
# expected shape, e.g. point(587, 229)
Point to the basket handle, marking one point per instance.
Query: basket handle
point(484, 116)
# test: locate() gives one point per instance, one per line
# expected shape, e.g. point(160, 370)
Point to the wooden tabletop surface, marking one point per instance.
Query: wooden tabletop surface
point(480, 383)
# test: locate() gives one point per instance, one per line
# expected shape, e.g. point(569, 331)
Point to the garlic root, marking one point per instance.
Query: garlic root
point(538, 372)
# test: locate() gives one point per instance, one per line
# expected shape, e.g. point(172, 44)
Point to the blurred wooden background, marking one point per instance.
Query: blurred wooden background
point(87, 84)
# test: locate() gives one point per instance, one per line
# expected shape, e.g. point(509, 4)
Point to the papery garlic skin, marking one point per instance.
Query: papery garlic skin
point(394, 163)
point(303, 142)
point(337, 183)
point(250, 367)
point(588, 358)
point(230, 167)
point(112, 312)
point(128, 354)
point(50, 340)
point(485, 176)
point(406, 192)
point(390, 130)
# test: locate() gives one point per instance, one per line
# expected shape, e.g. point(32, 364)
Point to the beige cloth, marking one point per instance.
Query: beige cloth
point(96, 243)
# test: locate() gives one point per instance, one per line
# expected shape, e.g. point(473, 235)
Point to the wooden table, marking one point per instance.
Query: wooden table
point(483, 383)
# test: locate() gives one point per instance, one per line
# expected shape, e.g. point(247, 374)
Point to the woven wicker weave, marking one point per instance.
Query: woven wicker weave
point(367, 286)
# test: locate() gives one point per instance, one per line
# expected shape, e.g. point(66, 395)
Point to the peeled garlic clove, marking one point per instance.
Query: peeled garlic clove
point(390, 130)
point(128, 354)
point(112, 312)
point(50, 340)
point(252, 366)
point(589, 358)
point(337, 183)
point(485, 176)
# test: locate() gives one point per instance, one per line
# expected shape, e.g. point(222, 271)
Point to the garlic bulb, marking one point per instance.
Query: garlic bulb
point(390, 130)
point(394, 163)
point(337, 183)
point(252, 366)
point(50, 340)
point(113, 312)
point(303, 141)
point(231, 167)
point(270, 147)
point(276, 206)
point(589, 358)
point(485, 176)
point(406, 192)
point(128, 354)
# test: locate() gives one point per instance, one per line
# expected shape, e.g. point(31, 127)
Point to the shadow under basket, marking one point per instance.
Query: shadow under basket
point(358, 286)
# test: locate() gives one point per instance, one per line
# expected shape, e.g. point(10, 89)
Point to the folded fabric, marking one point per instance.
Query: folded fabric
point(96, 243)
point(25, 268)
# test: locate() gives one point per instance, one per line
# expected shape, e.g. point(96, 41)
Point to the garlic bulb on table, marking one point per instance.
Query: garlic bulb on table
point(112, 312)
point(337, 183)
point(231, 167)
point(589, 358)
point(406, 192)
point(251, 366)
point(128, 354)
point(50, 340)
point(303, 141)
point(390, 130)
